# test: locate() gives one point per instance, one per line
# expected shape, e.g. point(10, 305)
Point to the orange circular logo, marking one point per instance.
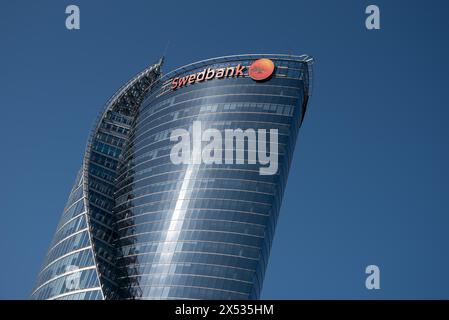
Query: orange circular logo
point(261, 69)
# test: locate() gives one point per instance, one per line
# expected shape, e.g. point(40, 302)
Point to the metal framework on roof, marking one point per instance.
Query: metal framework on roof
point(125, 102)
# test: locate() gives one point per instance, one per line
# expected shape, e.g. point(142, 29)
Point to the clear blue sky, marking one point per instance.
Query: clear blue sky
point(370, 178)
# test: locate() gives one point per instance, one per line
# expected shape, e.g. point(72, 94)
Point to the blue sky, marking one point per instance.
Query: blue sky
point(370, 178)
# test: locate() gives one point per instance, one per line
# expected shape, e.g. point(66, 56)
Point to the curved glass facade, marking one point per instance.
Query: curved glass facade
point(69, 270)
point(80, 263)
point(139, 226)
point(204, 231)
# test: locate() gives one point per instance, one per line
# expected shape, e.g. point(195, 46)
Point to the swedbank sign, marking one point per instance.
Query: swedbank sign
point(259, 70)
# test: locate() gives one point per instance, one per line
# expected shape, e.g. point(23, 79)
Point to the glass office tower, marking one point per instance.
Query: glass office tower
point(80, 262)
point(140, 226)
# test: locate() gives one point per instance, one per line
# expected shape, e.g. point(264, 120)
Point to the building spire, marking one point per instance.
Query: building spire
point(161, 61)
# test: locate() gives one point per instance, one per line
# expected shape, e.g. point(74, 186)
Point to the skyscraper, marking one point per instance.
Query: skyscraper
point(181, 183)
